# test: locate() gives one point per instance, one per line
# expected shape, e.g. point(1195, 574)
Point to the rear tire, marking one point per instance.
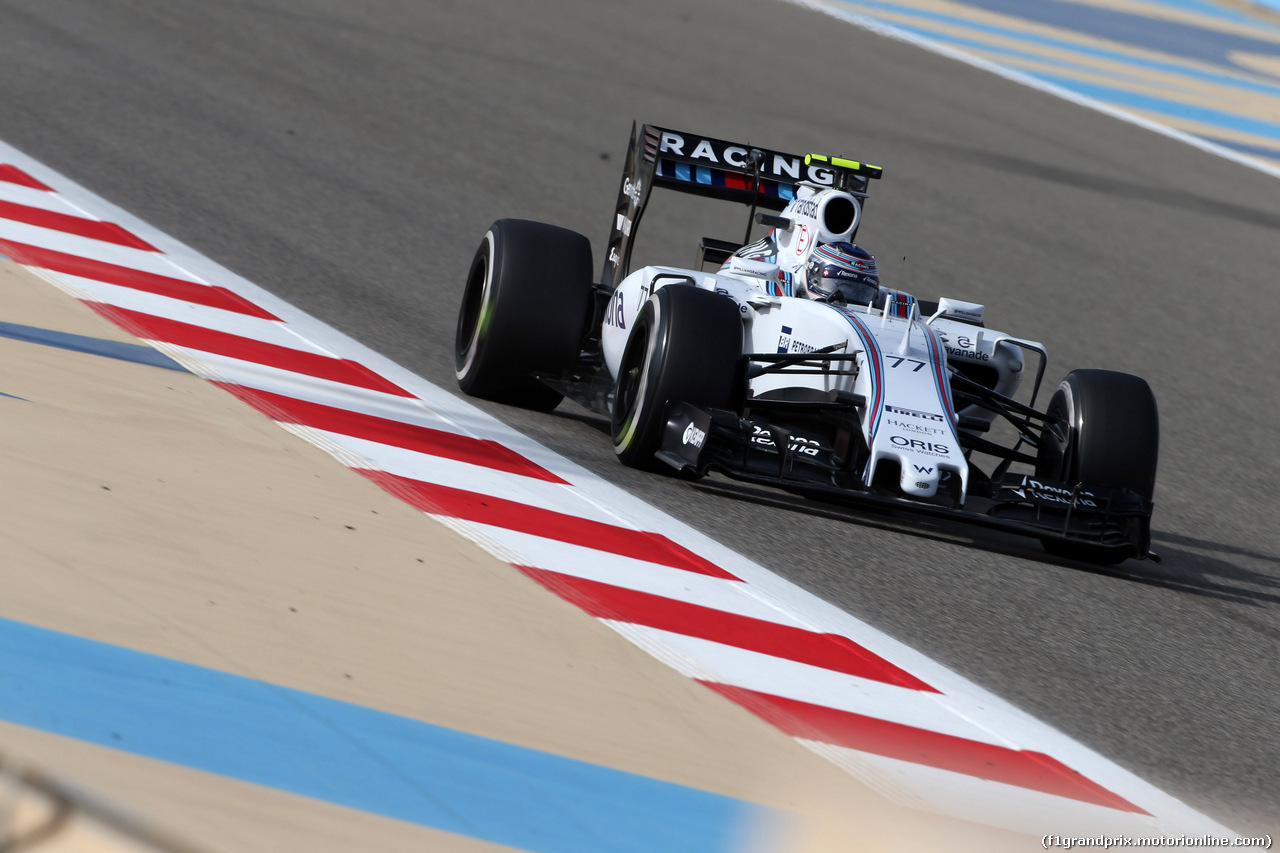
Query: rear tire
point(1112, 438)
point(685, 346)
point(524, 310)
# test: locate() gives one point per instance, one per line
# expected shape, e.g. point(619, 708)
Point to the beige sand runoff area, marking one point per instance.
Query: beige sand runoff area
point(148, 509)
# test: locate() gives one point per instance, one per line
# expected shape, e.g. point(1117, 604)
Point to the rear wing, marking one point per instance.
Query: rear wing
point(761, 177)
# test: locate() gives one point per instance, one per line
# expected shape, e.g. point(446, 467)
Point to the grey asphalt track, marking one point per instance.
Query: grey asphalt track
point(349, 156)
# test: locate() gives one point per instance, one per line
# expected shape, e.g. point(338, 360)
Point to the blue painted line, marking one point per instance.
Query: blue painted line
point(1212, 8)
point(1147, 32)
point(1134, 100)
point(1123, 97)
point(350, 755)
point(139, 353)
point(1119, 58)
point(14, 397)
point(929, 26)
point(1236, 145)
point(1059, 44)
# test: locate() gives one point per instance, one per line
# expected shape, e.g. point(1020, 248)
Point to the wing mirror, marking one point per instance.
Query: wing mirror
point(955, 309)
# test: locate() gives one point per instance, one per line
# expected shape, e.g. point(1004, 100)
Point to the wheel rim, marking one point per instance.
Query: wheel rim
point(1061, 407)
point(630, 381)
point(633, 376)
point(1070, 470)
point(473, 318)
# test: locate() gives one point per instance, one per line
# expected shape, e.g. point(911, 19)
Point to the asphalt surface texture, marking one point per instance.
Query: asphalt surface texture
point(349, 157)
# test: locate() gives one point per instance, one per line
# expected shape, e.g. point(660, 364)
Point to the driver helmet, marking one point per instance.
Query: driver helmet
point(842, 272)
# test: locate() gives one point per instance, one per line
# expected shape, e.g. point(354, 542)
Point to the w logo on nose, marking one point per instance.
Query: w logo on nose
point(923, 469)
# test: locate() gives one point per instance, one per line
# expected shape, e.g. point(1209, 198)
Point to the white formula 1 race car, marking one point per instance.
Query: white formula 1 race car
point(784, 363)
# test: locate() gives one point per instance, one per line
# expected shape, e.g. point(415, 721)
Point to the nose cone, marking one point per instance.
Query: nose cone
point(919, 481)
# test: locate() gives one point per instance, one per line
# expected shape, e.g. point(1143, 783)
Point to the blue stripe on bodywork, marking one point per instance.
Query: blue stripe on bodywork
point(875, 361)
point(139, 353)
point(940, 379)
point(347, 754)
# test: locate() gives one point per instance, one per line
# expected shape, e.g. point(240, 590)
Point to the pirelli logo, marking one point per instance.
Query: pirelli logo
point(912, 413)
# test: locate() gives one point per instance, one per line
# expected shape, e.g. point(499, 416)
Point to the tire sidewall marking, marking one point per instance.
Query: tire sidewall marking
point(485, 310)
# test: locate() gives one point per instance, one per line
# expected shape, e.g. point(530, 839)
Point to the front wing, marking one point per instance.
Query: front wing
point(700, 441)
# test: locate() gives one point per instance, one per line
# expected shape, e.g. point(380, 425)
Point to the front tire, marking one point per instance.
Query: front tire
point(524, 310)
point(1112, 438)
point(685, 346)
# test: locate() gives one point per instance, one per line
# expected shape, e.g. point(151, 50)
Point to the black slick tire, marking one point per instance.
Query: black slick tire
point(524, 310)
point(685, 346)
point(1112, 437)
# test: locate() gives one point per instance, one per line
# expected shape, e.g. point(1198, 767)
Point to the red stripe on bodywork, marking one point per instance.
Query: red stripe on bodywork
point(161, 285)
point(1034, 771)
point(151, 327)
point(94, 229)
point(14, 175)
point(420, 439)
point(523, 518)
point(827, 651)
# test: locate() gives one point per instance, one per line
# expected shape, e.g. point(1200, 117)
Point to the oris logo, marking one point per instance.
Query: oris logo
point(920, 445)
point(694, 436)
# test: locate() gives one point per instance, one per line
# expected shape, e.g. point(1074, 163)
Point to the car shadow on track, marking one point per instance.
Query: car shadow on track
point(1180, 570)
point(1206, 568)
point(1176, 198)
point(599, 423)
